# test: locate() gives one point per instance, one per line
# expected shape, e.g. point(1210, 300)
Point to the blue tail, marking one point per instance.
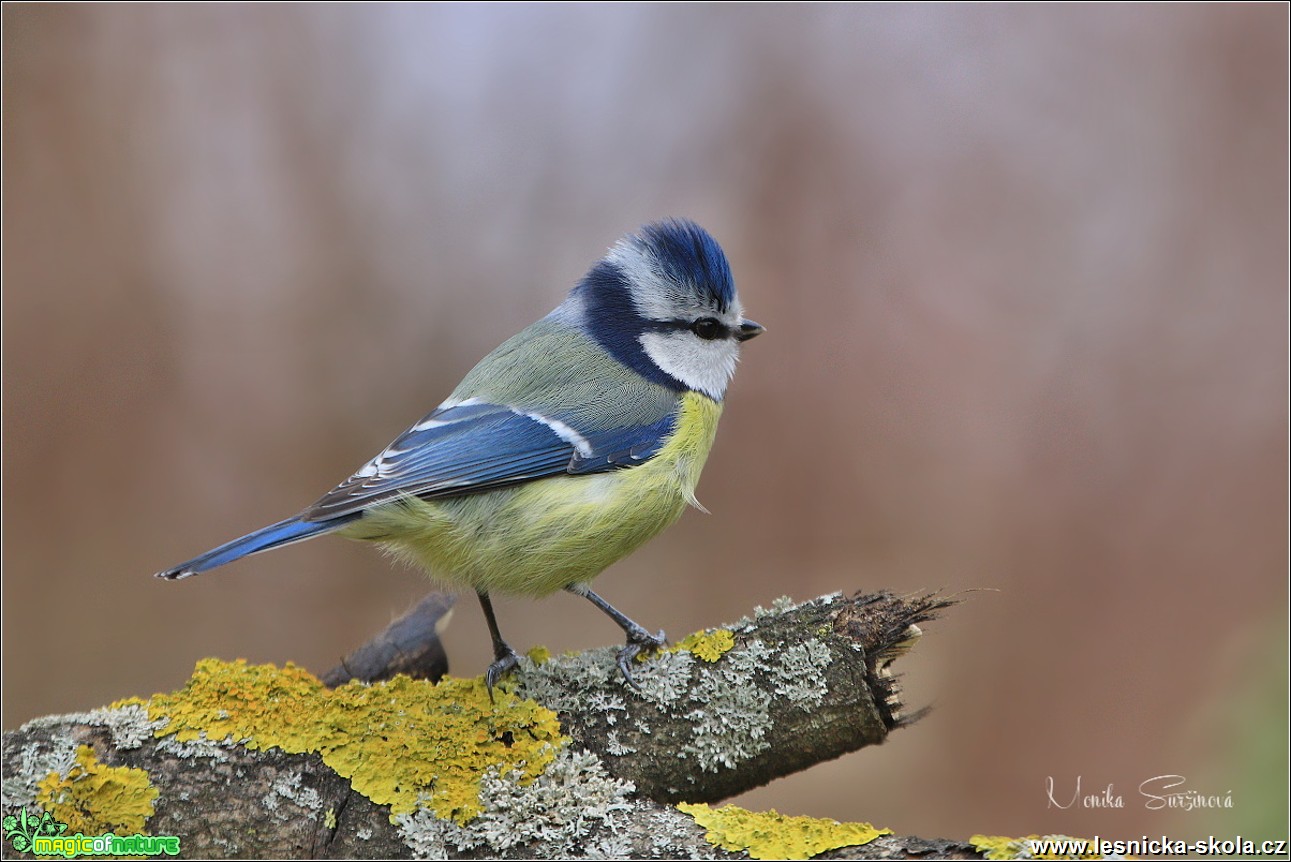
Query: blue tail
point(273, 536)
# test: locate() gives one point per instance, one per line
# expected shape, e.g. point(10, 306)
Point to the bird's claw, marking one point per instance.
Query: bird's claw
point(503, 664)
point(638, 642)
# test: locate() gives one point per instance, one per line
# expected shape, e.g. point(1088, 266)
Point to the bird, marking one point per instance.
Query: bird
point(563, 450)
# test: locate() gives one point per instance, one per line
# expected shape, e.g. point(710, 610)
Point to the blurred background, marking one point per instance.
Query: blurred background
point(1024, 274)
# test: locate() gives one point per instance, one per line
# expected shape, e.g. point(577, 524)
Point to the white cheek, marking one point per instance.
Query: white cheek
point(703, 365)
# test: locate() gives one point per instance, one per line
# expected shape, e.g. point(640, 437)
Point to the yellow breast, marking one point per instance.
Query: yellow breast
point(541, 536)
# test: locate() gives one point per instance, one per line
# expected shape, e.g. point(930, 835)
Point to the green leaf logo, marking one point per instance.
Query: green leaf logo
point(21, 829)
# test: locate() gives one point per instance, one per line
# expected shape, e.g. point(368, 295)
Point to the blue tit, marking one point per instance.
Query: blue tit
point(564, 449)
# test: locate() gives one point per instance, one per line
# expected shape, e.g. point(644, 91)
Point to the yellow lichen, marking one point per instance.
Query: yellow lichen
point(401, 743)
point(329, 819)
point(709, 646)
point(1004, 847)
point(539, 654)
point(771, 835)
point(93, 798)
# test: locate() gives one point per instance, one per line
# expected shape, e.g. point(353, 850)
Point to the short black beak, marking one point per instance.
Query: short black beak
point(749, 329)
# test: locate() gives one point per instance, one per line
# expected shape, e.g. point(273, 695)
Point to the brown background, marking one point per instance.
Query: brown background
point(1024, 273)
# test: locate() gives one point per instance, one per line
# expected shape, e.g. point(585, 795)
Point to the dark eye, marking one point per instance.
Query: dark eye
point(708, 328)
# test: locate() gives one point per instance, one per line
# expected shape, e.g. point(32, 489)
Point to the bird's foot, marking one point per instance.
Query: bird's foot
point(639, 641)
point(504, 661)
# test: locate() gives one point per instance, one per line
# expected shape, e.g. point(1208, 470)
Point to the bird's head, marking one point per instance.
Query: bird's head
point(663, 302)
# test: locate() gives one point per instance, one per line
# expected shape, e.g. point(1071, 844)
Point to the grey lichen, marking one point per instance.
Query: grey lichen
point(732, 715)
point(287, 787)
point(608, 705)
point(128, 725)
point(612, 846)
point(428, 836)
point(573, 808)
point(616, 746)
point(571, 798)
point(35, 762)
point(665, 842)
point(721, 710)
point(798, 674)
point(563, 683)
point(782, 605)
point(217, 751)
point(665, 677)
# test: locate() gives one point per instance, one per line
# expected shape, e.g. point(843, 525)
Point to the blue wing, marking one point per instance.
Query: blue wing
point(478, 447)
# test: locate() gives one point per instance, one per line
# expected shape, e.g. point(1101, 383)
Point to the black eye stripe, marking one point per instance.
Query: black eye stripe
point(707, 328)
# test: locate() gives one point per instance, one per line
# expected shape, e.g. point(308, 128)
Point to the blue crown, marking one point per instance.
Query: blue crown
point(688, 254)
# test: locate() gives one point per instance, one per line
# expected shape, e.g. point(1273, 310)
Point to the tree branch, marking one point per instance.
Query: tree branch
point(722, 712)
point(796, 687)
point(410, 645)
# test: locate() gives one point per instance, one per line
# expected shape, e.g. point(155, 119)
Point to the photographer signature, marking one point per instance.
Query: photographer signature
point(1158, 792)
